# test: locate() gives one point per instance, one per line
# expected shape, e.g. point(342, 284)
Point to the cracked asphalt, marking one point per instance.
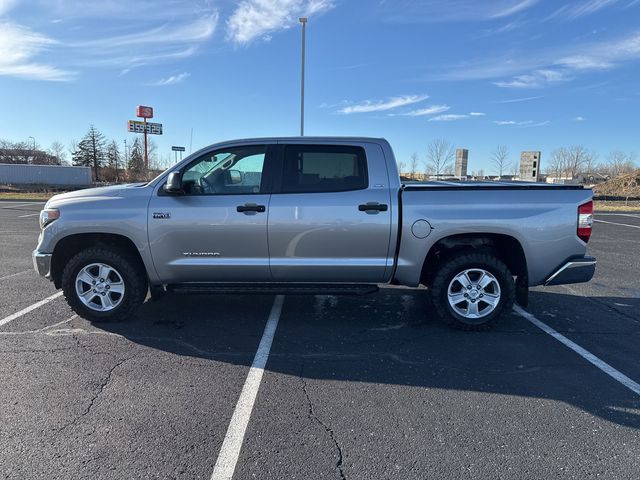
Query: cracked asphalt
point(354, 388)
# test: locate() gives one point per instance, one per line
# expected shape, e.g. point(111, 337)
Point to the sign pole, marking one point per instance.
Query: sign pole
point(146, 153)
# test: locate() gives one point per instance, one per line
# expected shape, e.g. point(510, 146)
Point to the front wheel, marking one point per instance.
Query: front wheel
point(103, 284)
point(472, 291)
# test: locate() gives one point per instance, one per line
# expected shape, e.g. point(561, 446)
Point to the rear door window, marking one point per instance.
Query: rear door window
point(311, 168)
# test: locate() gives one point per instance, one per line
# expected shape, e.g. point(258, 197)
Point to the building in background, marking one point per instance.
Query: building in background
point(530, 166)
point(462, 160)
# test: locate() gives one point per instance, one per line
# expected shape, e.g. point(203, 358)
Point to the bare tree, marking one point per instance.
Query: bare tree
point(557, 163)
point(440, 155)
point(569, 161)
point(500, 159)
point(57, 150)
point(401, 167)
point(619, 163)
point(413, 166)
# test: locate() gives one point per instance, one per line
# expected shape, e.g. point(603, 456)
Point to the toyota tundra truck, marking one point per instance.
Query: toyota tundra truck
point(312, 216)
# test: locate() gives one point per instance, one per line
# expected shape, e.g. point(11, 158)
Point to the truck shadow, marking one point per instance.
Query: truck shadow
point(394, 337)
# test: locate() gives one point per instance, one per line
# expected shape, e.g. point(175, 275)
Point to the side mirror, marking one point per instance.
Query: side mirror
point(174, 184)
point(233, 177)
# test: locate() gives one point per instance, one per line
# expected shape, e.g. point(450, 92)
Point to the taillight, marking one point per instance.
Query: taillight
point(585, 221)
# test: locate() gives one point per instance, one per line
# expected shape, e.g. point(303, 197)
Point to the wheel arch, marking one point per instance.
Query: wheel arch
point(506, 247)
point(70, 245)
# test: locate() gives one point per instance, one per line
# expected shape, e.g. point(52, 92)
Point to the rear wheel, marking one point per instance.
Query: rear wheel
point(472, 291)
point(103, 284)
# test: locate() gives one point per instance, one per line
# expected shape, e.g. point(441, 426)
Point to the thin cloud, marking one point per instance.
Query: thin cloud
point(518, 100)
point(172, 80)
point(197, 31)
point(430, 110)
point(448, 118)
point(6, 5)
point(534, 79)
point(539, 69)
point(513, 9)
point(477, 114)
point(383, 105)
point(578, 119)
point(526, 123)
point(254, 19)
point(19, 46)
point(581, 9)
point(411, 11)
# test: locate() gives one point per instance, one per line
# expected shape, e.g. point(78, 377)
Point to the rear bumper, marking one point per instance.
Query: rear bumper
point(577, 270)
point(42, 263)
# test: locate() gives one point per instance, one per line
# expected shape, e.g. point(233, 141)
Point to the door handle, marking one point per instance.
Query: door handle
point(373, 207)
point(251, 208)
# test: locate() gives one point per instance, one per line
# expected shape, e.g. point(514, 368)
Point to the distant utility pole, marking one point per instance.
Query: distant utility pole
point(303, 21)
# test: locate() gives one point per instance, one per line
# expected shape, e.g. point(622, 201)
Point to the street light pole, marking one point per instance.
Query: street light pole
point(303, 21)
point(33, 150)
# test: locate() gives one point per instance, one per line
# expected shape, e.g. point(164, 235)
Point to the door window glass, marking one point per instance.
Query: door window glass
point(229, 172)
point(309, 168)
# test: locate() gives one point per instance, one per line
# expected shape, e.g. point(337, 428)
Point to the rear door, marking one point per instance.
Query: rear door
point(330, 217)
point(216, 231)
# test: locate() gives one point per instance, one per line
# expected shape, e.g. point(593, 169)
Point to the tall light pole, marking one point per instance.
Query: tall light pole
point(33, 150)
point(303, 21)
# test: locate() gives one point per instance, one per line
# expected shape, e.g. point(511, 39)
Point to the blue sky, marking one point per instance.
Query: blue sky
point(529, 74)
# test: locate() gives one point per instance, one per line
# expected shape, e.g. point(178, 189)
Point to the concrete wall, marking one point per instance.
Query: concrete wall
point(44, 175)
point(530, 166)
point(462, 160)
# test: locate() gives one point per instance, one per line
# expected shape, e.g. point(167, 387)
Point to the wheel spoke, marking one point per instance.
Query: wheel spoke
point(88, 295)
point(491, 299)
point(116, 287)
point(472, 309)
point(456, 298)
point(86, 277)
point(105, 270)
point(106, 301)
point(486, 280)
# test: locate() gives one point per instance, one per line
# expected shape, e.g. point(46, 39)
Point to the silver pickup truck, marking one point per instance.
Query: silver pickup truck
point(313, 216)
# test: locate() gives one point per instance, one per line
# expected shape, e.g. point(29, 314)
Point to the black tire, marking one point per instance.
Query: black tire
point(453, 266)
point(135, 282)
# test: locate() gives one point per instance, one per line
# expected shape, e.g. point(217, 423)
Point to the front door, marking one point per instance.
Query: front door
point(216, 230)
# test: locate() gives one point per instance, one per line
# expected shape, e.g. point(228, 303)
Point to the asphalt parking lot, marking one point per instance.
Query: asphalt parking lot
point(353, 387)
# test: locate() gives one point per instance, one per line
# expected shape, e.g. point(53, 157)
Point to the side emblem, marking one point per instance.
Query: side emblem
point(161, 215)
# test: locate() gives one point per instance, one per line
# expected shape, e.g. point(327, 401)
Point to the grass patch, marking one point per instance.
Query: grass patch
point(27, 195)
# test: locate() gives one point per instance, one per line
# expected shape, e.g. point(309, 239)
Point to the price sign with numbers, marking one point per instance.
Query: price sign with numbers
point(134, 126)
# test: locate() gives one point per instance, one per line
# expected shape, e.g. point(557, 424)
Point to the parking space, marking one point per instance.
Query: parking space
point(353, 387)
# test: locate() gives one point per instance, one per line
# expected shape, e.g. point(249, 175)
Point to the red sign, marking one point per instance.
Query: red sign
point(144, 112)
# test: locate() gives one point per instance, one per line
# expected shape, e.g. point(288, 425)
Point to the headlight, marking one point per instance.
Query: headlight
point(49, 215)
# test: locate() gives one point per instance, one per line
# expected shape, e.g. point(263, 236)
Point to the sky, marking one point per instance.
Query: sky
point(528, 74)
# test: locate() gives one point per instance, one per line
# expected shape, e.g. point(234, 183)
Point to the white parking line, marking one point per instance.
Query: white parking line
point(24, 311)
point(28, 215)
point(232, 444)
point(587, 355)
point(621, 224)
point(15, 274)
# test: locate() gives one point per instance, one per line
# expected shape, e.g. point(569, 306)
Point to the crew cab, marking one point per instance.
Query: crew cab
point(312, 216)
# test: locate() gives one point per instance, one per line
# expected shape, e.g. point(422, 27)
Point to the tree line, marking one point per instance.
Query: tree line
point(109, 160)
point(563, 163)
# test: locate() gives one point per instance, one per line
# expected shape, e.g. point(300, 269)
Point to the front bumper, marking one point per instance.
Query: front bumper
point(42, 263)
point(577, 270)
